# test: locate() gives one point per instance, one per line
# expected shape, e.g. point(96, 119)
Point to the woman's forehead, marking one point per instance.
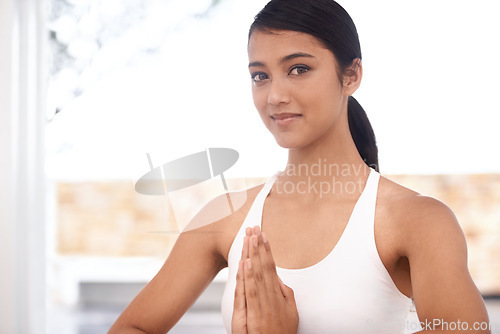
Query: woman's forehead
point(272, 43)
point(283, 37)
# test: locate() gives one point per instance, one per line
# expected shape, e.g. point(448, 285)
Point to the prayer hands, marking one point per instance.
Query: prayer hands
point(262, 302)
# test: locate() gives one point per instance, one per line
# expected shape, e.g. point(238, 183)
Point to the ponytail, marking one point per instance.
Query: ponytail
point(362, 133)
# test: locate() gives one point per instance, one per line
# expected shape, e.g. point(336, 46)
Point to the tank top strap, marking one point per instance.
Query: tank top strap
point(370, 204)
point(267, 187)
point(358, 236)
point(363, 217)
point(253, 217)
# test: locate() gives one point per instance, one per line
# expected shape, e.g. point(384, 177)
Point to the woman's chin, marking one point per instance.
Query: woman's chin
point(289, 142)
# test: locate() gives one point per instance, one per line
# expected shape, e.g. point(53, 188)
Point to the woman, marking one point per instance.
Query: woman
point(350, 248)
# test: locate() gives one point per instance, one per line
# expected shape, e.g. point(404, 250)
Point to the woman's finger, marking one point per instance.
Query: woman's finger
point(267, 262)
point(271, 265)
point(239, 292)
point(287, 293)
point(244, 250)
point(252, 295)
point(268, 270)
point(255, 248)
point(239, 319)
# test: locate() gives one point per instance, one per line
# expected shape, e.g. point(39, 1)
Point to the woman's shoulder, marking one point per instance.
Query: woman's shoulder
point(417, 218)
point(408, 203)
point(221, 217)
point(224, 210)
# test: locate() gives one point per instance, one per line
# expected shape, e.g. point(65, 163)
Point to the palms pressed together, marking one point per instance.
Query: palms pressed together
point(262, 302)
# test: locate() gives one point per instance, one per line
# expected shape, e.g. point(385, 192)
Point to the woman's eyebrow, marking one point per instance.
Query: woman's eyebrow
point(283, 59)
point(295, 55)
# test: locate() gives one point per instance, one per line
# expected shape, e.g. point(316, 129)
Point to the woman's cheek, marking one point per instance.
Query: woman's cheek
point(260, 104)
point(258, 101)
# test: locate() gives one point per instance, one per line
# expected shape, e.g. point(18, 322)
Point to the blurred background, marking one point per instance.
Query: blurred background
point(90, 87)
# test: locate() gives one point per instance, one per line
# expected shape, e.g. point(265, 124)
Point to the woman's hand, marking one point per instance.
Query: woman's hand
point(263, 303)
point(239, 320)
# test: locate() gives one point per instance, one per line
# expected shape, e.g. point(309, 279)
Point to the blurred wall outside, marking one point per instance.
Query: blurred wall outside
point(110, 219)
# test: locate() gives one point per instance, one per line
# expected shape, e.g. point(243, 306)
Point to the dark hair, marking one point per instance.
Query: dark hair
point(331, 24)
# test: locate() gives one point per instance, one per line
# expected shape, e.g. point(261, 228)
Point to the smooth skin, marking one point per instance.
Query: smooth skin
point(418, 238)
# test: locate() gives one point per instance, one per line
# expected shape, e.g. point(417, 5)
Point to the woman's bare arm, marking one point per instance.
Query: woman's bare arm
point(444, 292)
point(192, 264)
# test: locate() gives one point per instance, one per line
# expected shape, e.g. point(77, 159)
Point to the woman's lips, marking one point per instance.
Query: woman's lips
point(285, 118)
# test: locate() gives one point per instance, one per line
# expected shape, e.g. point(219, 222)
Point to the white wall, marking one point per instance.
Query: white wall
point(22, 236)
point(429, 87)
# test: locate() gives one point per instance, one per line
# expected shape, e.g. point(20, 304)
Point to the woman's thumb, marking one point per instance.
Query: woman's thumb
point(287, 292)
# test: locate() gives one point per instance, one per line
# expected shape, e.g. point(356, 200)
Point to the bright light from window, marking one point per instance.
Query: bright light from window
point(169, 78)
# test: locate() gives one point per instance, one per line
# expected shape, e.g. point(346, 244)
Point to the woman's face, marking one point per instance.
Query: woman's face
point(295, 86)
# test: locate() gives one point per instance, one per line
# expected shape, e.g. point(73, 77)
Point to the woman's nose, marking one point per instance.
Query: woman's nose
point(278, 93)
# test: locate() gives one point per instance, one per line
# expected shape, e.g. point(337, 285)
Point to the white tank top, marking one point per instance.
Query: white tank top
point(348, 291)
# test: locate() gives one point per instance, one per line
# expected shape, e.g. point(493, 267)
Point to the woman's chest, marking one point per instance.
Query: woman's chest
point(304, 235)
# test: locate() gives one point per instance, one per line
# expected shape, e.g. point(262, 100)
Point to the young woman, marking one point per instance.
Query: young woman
point(350, 248)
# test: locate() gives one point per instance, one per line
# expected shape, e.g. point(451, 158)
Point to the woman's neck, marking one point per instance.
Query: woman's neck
point(331, 162)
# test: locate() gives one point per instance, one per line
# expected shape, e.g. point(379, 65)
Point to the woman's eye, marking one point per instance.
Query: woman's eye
point(297, 70)
point(259, 77)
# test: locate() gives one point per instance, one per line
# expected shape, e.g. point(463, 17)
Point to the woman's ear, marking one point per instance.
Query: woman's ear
point(352, 78)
